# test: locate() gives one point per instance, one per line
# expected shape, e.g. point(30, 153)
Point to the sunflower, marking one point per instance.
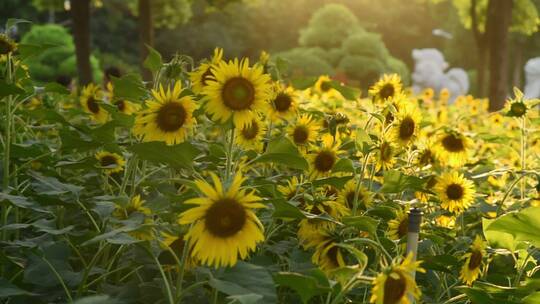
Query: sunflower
point(322, 160)
point(324, 88)
point(347, 194)
point(385, 155)
point(176, 244)
point(6, 45)
point(445, 221)
point(427, 94)
point(396, 284)
point(398, 227)
point(452, 147)
point(309, 232)
point(237, 91)
point(224, 225)
point(168, 118)
point(455, 192)
point(386, 88)
point(110, 162)
point(251, 136)
point(200, 77)
point(304, 131)
point(426, 153)
point(406, 125)
point(292, 189)
point(444, 95)
point(284, 104)
point(135, 205)
point(473, 261)
point(91, 97)
point(328, 255)
point(127, 107)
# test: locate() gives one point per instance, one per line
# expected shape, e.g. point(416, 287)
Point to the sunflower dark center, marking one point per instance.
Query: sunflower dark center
point(171, 117)
point(238, 94)
point(394, 288)
point(225, 218)
point(332, 255)
point(454, 191)
point(406, 128)
point(206, 76)
point(300, 135)
point(350, 198)
point(121, 105)
point(387, 91)
point(403, 228)
point(426, 157)
point(518, 109)
point(324, 161)
point(93, 105)
point(177, 247)
point(251, 131)
point(326, 86)
point(282, 102)
point(108, 160)
point(476, 259)
point(453, 143)
point(386, 151)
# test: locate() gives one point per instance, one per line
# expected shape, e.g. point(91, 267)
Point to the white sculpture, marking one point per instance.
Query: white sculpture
point(532, 78)
point(429, 72)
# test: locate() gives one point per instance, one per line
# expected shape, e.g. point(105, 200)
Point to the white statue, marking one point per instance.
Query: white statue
point(429, 72)
point(532, 78)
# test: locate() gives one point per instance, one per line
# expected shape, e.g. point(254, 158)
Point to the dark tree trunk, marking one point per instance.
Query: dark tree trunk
point(499, 17)
point(518, 63)
point(481, 45)
point(146, 33)
point(80, 13)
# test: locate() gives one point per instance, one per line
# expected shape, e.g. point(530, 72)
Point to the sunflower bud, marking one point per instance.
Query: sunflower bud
point(6, 45)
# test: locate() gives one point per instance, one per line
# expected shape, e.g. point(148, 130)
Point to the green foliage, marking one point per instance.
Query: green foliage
point(166, 13)
point(303, 61)
point(58, 58)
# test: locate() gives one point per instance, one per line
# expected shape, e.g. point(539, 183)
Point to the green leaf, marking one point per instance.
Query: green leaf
point(7, 89)
point(532, 298)
point(27, 50)
point(363, 141)
point(395, 182)
point(337, 182)
point(343, 165)
point(249, 298)
point(9, 290)
point(303, 83)
point(22, 202)
point(53, 87)
point(522, 226)
point(498, 239)
point(14, 21)
point(177, 156)
point(284, 209)
point(282, 151)
point(153, 62)
point(306, 286)
point(347, 92)
point(129, 87)
point(97, 299)
point(363, 223)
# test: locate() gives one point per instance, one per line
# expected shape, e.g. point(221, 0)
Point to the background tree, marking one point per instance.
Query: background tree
point(80, 13)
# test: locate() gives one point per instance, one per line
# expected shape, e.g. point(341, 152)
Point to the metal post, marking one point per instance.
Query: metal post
point(415, 219)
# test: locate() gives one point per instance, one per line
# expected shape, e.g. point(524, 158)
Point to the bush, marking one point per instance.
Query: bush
point(364, 69)
point(305, 62)
point(58, 60)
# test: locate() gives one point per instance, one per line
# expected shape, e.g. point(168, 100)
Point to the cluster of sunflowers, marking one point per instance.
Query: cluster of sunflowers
point(260, 169)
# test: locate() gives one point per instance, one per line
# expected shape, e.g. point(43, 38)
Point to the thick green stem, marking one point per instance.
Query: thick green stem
point(229, 156)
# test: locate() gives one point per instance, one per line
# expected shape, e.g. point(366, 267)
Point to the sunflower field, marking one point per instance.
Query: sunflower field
point(227, 181)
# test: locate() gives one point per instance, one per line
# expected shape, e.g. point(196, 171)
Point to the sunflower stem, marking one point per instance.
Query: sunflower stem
point(163, 276)
point(523, 156)
point(229, 155)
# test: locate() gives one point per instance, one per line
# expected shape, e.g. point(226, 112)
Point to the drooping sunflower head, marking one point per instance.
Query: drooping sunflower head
point(455, 192)
point(452, 148)
point(292, 189)
point(134, 205)
point(91, 99)
point(284, 104)
point(399, 226)
point(385, 88)
point(324, 88)
point(6, 45)
point(385, 155)
point(517, 106)
point(237, 91)
point(203, 74)
point(168, 117)
point(348, 196)
point(323, 159)
point(396, 285)
point(309, 231)
point(251, 136)
point(127, 107)
point(304, 131)
point(472, 267)
point(110, 162)
point(328, 255)
point(406, 125)
point(173, 246)
point(223, 220)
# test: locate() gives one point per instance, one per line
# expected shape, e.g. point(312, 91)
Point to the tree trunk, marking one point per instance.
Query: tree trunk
point(518, 63)
point(146, 33)
point(499, 17)
point(80, 13)
point(481, 70)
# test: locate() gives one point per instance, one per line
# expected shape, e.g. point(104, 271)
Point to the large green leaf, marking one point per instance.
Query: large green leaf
point(363, 223)
point(522, 226)
point(7, 89)
point(498, 239)
point(282, 151)
point(177, 156)
point(153, 62)
point(395, 182)
point(22, 202)
point(284, 209)
point(128, 87)
point(7, 290)
point(306, 286)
